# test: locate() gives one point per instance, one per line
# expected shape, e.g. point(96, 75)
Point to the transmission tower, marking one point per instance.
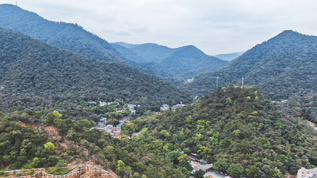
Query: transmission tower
point(217, 81)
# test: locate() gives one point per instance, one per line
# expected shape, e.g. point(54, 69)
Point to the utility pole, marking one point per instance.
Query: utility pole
point(242, 81)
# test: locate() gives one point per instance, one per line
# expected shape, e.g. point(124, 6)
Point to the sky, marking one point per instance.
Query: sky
point(214, 26)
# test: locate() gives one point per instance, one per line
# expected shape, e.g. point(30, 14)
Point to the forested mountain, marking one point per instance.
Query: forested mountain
point(145, 57)
point(140, 63)
point(151, 52)
point(35, 75)
point(182, 63)
point(238, 130)
point(229, 56)
point(282, 66)
point(189, 61)
point(59, 34)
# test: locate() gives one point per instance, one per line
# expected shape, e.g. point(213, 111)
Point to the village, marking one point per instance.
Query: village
point(115, 129)
point(198, 164)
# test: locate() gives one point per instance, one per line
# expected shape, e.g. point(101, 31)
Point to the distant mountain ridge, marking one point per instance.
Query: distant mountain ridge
point(282, 66)
point(183, 62)
point(72, 37)
point(34, 75)
point(229, 56)
point(59, 34)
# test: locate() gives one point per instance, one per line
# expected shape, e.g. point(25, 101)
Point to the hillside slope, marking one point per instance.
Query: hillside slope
point(239, 131)
point(27, 141)
point(282, 66)
point(59, 34)
point(34, 74)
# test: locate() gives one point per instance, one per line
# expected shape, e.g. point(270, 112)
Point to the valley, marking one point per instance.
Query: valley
point(74, 105)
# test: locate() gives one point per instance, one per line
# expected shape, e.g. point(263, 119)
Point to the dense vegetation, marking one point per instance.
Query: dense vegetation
point(237, 129)
point(35, 75)
point(304, 107)
point(282, 67)
point(26, 143)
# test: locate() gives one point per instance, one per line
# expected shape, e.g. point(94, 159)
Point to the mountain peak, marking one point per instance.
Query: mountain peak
point(289, 34)
point(8, 5)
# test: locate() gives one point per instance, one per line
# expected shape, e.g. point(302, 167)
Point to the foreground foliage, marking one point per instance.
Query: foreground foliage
point(237, 129)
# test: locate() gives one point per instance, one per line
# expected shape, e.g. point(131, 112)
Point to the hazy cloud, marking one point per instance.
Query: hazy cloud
point(217, 26)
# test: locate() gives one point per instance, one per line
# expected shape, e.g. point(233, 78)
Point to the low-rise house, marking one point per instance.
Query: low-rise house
point(117, 134)
point(199, 166)
point(178, 106)
point(190, 80)
point(164, 107)
point(307, 173)
point(102, 122)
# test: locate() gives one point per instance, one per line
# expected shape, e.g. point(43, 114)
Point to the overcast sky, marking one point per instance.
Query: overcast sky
point(214, 26)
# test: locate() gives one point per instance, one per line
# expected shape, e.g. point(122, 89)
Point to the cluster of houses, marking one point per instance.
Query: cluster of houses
point(165, 107)
point(114, 131)
point(130, 107)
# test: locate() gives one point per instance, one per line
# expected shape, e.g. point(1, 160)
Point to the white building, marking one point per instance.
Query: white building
point(307, 173)
point(164, 107)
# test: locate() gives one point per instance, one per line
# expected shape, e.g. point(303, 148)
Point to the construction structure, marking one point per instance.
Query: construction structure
point(80, 171)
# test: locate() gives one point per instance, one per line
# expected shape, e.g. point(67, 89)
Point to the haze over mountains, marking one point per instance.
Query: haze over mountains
point(282, 66)
point(229, 56)
point(74, 38)
point(183, 62)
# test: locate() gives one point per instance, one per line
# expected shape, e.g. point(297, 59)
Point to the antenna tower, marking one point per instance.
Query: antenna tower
point(217, 81)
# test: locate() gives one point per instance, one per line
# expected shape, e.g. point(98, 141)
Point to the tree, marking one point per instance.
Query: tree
point(130, 127)
point(50, 117)
point(173, 156)
point(221, 165)
point(36, 162)
point(121, 167)
point(236, 170)
point(50, 148)
point(228, 101)
point(199, 174)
